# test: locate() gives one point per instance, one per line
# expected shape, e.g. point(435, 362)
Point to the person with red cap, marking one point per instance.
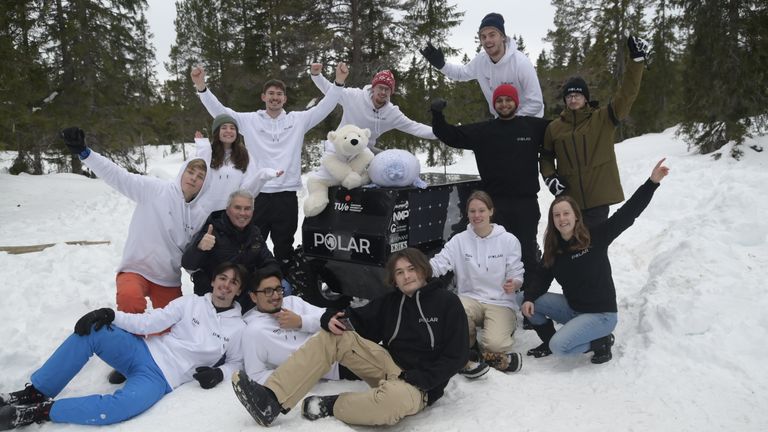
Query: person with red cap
point(371, 108)
point(499, 63)
point(507, 154)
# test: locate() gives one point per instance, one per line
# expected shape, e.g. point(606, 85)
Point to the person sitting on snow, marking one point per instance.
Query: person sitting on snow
point(203, 344)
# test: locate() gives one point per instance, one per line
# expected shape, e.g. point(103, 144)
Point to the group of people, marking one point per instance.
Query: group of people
point(213, 219)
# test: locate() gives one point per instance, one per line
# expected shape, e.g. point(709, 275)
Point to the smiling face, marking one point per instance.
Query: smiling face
point(380, 95)
point(226, 286)
point(408, 278)
point(227, 134)
point(192, 180)
point(268, 303)
point(575, 101)
point(492, 41)
point(274, 98)
point(240, 211)
point(505, 106)
point(479, 216)
point(564, 219)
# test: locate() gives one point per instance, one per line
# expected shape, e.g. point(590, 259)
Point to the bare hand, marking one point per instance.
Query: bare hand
point(198, 77)
point(334, 325)
point(198, 134)
point(287, 319)
point(208, 240)
point(527, 309)
point(279, 173)
point(659, 172)
point(512, 285)
point(315, 68)
point(342, 72)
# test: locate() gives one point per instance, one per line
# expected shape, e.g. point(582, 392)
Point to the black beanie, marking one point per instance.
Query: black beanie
point(493, 20)
point(576, 85)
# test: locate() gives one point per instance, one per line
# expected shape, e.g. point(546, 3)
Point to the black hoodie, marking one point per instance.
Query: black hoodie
point(426, 334)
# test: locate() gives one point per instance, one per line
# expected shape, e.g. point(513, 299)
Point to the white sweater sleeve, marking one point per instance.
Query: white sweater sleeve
point(254, 355)
point(404, 124)
point(514, 264)
point(321, 83)
point(317, 113)
point(443, 262)
point(530, 88)
point(136, 187)
point(234, 353)
point(153, 321)
point(464, 72)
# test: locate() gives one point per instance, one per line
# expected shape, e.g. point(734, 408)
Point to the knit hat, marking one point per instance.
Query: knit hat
point(507, 90)
point(576, 85)
point(493, 20)
point(384, 77)
point(221, 119)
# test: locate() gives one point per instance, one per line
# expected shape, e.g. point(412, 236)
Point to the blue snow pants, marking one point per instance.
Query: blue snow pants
point(127, 353)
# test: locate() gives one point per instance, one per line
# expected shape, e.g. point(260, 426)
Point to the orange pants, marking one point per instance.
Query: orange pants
point(132, 290)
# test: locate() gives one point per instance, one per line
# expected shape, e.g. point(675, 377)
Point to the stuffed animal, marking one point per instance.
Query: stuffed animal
point(346, 165)
point(395, 168)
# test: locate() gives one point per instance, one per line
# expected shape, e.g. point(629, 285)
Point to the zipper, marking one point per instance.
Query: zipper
point(578, 163)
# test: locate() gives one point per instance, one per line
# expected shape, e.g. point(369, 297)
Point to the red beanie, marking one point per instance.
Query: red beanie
point(507, 90)
point(384, 77)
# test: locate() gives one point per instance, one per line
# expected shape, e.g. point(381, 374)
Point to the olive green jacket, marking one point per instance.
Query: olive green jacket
point(578, 146)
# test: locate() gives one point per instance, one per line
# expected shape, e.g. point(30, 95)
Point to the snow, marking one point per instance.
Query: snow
point(689, 277)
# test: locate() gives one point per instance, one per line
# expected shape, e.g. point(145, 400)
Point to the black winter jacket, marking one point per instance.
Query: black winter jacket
point(426, 334)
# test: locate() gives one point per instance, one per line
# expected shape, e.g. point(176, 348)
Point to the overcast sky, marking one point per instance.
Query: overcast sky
point(529, 18)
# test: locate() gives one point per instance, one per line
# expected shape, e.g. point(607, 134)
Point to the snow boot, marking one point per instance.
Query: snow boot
point(12, 416)
point(30, 395)
point(545, 332)
point(260, 401)
point(602, 349)
point(317, 407)
point(505, 362)
point(115, 377)
point(473, 370)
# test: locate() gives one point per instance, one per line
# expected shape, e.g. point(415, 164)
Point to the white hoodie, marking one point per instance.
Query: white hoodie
point(482, 264)
point(276, 142)
point(226, 179)
point(359, 111)
point(162, 224)
point(514, 68)
point(198, 337)
point(266, 346)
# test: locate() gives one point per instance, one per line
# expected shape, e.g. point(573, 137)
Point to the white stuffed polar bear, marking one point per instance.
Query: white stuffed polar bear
point(346, 166)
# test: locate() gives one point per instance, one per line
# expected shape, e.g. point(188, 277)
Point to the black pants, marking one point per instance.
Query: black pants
point(520, 216)
point(594, 216)
point(277, 215)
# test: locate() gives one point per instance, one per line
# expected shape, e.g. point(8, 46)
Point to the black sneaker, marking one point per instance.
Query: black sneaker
point(602, 349)
point(317, 407)
point(540, 351)
point(115, 377)
point(30, 395)
point(12, 416)
point(474, 370)
point(257, 399)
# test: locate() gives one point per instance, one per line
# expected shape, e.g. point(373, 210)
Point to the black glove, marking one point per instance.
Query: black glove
point(433, 55)
point(74, 138)
point(555, 185)
point(208, 376)
point(639, 48)
point(438, 104)
point(96, 319)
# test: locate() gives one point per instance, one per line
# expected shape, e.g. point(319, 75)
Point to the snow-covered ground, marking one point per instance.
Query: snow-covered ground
point(690, 275)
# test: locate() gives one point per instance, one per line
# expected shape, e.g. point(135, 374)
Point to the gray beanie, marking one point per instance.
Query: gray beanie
point(221, 119)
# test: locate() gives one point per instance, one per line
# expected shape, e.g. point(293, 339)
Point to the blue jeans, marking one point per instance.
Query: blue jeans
point(125, 352)
point(578, 329)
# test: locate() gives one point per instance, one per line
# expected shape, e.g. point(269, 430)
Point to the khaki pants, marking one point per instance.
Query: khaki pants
point(498, 323)
point(387, 402)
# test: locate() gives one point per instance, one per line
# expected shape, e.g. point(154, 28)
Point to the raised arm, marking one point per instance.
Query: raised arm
point(450, 135)
point(316, 114)
point(321, 83)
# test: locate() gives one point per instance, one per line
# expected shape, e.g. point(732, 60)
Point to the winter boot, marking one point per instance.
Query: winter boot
point(260, 401)
point(473, 370)
point(317, 407)
point(505, 362)
point(545, 332)
point(602, 349)
point(115, 377)
point(30, 395)
point(12, 416)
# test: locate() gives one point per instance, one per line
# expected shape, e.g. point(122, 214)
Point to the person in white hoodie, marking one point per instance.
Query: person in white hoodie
point(486, 260)
point(370, 108)
point(274, 139)
point(203, 344)
point(277, 327)
point(167, 215)
point(231, 167)
point(499, 63)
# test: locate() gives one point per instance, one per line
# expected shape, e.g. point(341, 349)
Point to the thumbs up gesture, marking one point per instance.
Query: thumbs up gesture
point(208, 240)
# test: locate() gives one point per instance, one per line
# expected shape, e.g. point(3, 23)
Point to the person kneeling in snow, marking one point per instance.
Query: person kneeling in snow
point(204, 331)
point(406, 345)
point(577, 257)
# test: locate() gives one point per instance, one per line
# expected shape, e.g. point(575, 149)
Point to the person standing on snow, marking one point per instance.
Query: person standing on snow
point(203, 331)
point(577, 257)
point(578, 156)
point(274, 139)
point(499, 63)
